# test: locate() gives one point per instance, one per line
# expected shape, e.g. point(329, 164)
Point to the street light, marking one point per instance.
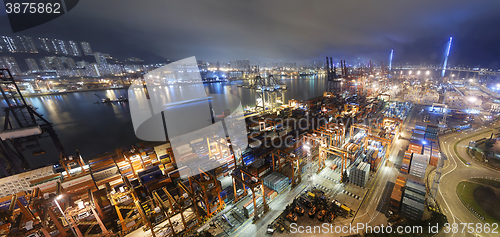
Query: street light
point(472, 99)
point(64, 215)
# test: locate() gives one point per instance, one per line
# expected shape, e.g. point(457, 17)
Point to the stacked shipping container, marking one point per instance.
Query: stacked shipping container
point(21, 182)
point(338, 161)
point(359, 174)
point(276, 181)
point(434, 155)
point(397, 194)
point(419, 165)
point(405, 165)
point(414, 200)
point(248, 208)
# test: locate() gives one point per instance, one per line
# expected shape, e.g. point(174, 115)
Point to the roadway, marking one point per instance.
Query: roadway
point(455, 171)
point(374, 208)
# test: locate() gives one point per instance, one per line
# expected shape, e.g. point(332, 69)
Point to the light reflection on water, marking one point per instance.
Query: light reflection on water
point(94, 129)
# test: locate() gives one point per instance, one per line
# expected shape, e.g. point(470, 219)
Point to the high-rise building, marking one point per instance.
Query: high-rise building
point(93, 70)
point(55, 62)
point(87, 50)
point(74, 49)
point(54, 45)
point(31, 45)
point(10, 43)
point(82, 64)
point(11, 64)
point(61, 45)
point(44, 62)
point(100, 58)
point(46, 45)
point(32, 66)
point(25, 44)
point(21, 44)
point(69, 62)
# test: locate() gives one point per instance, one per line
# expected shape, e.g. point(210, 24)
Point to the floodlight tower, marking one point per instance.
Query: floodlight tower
point(447, 53)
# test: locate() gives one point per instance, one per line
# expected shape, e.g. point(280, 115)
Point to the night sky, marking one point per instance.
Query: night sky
point(288, 30)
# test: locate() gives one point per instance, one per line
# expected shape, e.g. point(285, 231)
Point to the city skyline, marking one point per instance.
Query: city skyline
point(416, 31)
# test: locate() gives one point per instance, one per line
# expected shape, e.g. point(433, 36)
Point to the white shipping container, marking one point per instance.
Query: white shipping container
point(76, 181)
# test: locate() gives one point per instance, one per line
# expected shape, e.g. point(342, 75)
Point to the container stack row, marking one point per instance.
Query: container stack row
point(276, 181)
point(338, 161)
point(415, 146)
point(248, 208)
point(419, 165)
point(413, 200)
point(397, 194)
point(435, 155)
point(270, 194)
point(405, 165)
point(431, 132)
point(21, 182)
point(359, 174)
point(352, 148)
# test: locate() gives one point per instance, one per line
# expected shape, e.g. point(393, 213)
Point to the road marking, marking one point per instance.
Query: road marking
point(439, 189)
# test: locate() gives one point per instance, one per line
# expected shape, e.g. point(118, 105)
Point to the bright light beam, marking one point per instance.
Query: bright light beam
point(446, 57)
point(390, 59)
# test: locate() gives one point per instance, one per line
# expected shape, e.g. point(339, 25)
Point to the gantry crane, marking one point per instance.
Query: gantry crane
point(43, 211)
point(353, 107)
point(127, 200)
point(325, 139)
point(164, 208)
point(173, 206)
point(277, 156)
point(333, 84)
point(69, 162)
point(395, 120)
point(14, 221)
point(255, 184)
point(23, 127)
point(334, 132)
point(294, 160)
point(73, 215)
point(316, 139)
point(186, 196)
point(367, 129)
point(384, 141)
point(270, 93)
point(338, 152)
point(210, 188)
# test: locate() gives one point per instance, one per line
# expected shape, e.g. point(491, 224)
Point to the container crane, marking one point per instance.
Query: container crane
point(270, 93)
point(23, 127)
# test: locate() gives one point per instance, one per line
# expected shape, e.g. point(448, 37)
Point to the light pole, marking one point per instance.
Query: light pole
point(307, 147)
point(64, 215)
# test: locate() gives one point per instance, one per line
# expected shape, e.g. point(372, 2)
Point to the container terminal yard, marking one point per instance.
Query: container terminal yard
point(367, 151)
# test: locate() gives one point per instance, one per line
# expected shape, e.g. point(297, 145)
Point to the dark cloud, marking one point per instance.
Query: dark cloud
point(285, 30)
